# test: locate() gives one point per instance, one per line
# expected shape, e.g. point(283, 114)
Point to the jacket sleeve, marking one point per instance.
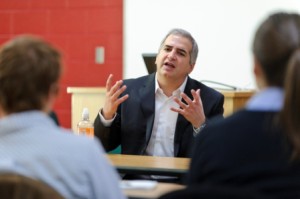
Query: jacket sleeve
point(109, 136)
point(217, 109)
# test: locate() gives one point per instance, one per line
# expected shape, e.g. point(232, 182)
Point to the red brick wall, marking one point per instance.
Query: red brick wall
point(76, 27)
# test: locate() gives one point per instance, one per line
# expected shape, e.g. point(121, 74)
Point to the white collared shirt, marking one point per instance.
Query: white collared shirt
point(162, 138)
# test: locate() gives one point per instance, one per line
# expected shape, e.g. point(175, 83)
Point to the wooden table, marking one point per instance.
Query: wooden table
point(159, 190)
point(137, 164)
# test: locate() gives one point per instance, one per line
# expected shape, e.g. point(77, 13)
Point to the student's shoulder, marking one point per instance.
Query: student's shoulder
point(238, 122)
point(239, 116)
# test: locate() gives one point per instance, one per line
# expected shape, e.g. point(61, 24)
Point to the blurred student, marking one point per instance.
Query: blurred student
point(31, 144)
point(259, 146)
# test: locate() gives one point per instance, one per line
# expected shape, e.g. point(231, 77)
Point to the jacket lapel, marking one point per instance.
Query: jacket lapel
point(148, 104)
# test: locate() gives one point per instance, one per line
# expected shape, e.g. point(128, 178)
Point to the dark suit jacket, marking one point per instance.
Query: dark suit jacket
point(132, 126)
point(246, 150)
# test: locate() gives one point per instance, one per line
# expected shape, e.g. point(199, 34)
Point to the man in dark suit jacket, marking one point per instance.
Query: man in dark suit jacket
point(159, 114)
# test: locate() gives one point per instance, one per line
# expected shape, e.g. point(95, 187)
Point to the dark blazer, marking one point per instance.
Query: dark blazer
point(132, 126)
point(246, 150)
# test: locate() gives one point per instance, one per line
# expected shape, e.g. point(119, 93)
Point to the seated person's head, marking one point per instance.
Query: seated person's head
point(276, 50)
point(30, 69)
point(276, 40)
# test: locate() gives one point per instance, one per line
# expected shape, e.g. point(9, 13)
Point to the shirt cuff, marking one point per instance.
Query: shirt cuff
point(106, 123)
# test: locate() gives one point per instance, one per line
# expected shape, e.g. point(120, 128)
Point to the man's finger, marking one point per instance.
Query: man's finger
point(186, 98)
point(196, 95)
point(109, 82)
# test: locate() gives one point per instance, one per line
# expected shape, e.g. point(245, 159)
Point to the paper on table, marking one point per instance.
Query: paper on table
point(138, 184)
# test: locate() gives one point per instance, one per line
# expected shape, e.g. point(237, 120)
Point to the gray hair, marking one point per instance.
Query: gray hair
point(186, 34)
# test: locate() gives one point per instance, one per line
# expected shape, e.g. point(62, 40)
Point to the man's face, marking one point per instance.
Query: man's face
point(173, 59)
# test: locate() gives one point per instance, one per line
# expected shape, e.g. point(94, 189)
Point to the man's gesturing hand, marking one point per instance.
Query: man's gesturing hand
point(112, 100)
point(192, 110)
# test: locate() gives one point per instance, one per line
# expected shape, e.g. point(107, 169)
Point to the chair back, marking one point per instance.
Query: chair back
point(14, 186)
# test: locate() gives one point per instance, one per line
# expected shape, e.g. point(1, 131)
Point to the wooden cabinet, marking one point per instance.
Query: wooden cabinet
point(234, 100)
point(81, 97)
point(93, 99)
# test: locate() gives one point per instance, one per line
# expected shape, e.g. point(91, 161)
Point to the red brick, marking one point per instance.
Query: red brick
point(115, 46)
point(75, 73)
point(101, 72)
point(94, 3)
point(6, 23)
point(64, 99)
point(48, 4)
point(14, 4)
point(33, 22)
point(105, 20)
point(78, 47)
point(68, 21)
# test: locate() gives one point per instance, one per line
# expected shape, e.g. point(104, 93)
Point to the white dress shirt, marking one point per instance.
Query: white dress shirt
point(162, 138)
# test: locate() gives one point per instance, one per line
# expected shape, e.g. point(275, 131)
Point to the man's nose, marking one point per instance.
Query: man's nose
point(171, 55)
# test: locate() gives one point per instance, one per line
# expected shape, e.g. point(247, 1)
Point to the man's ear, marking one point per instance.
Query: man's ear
point(259, 74)
point(256, 67)
point(2, 112)
point(52, 95)
point(192, 67)
point(54, 90)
